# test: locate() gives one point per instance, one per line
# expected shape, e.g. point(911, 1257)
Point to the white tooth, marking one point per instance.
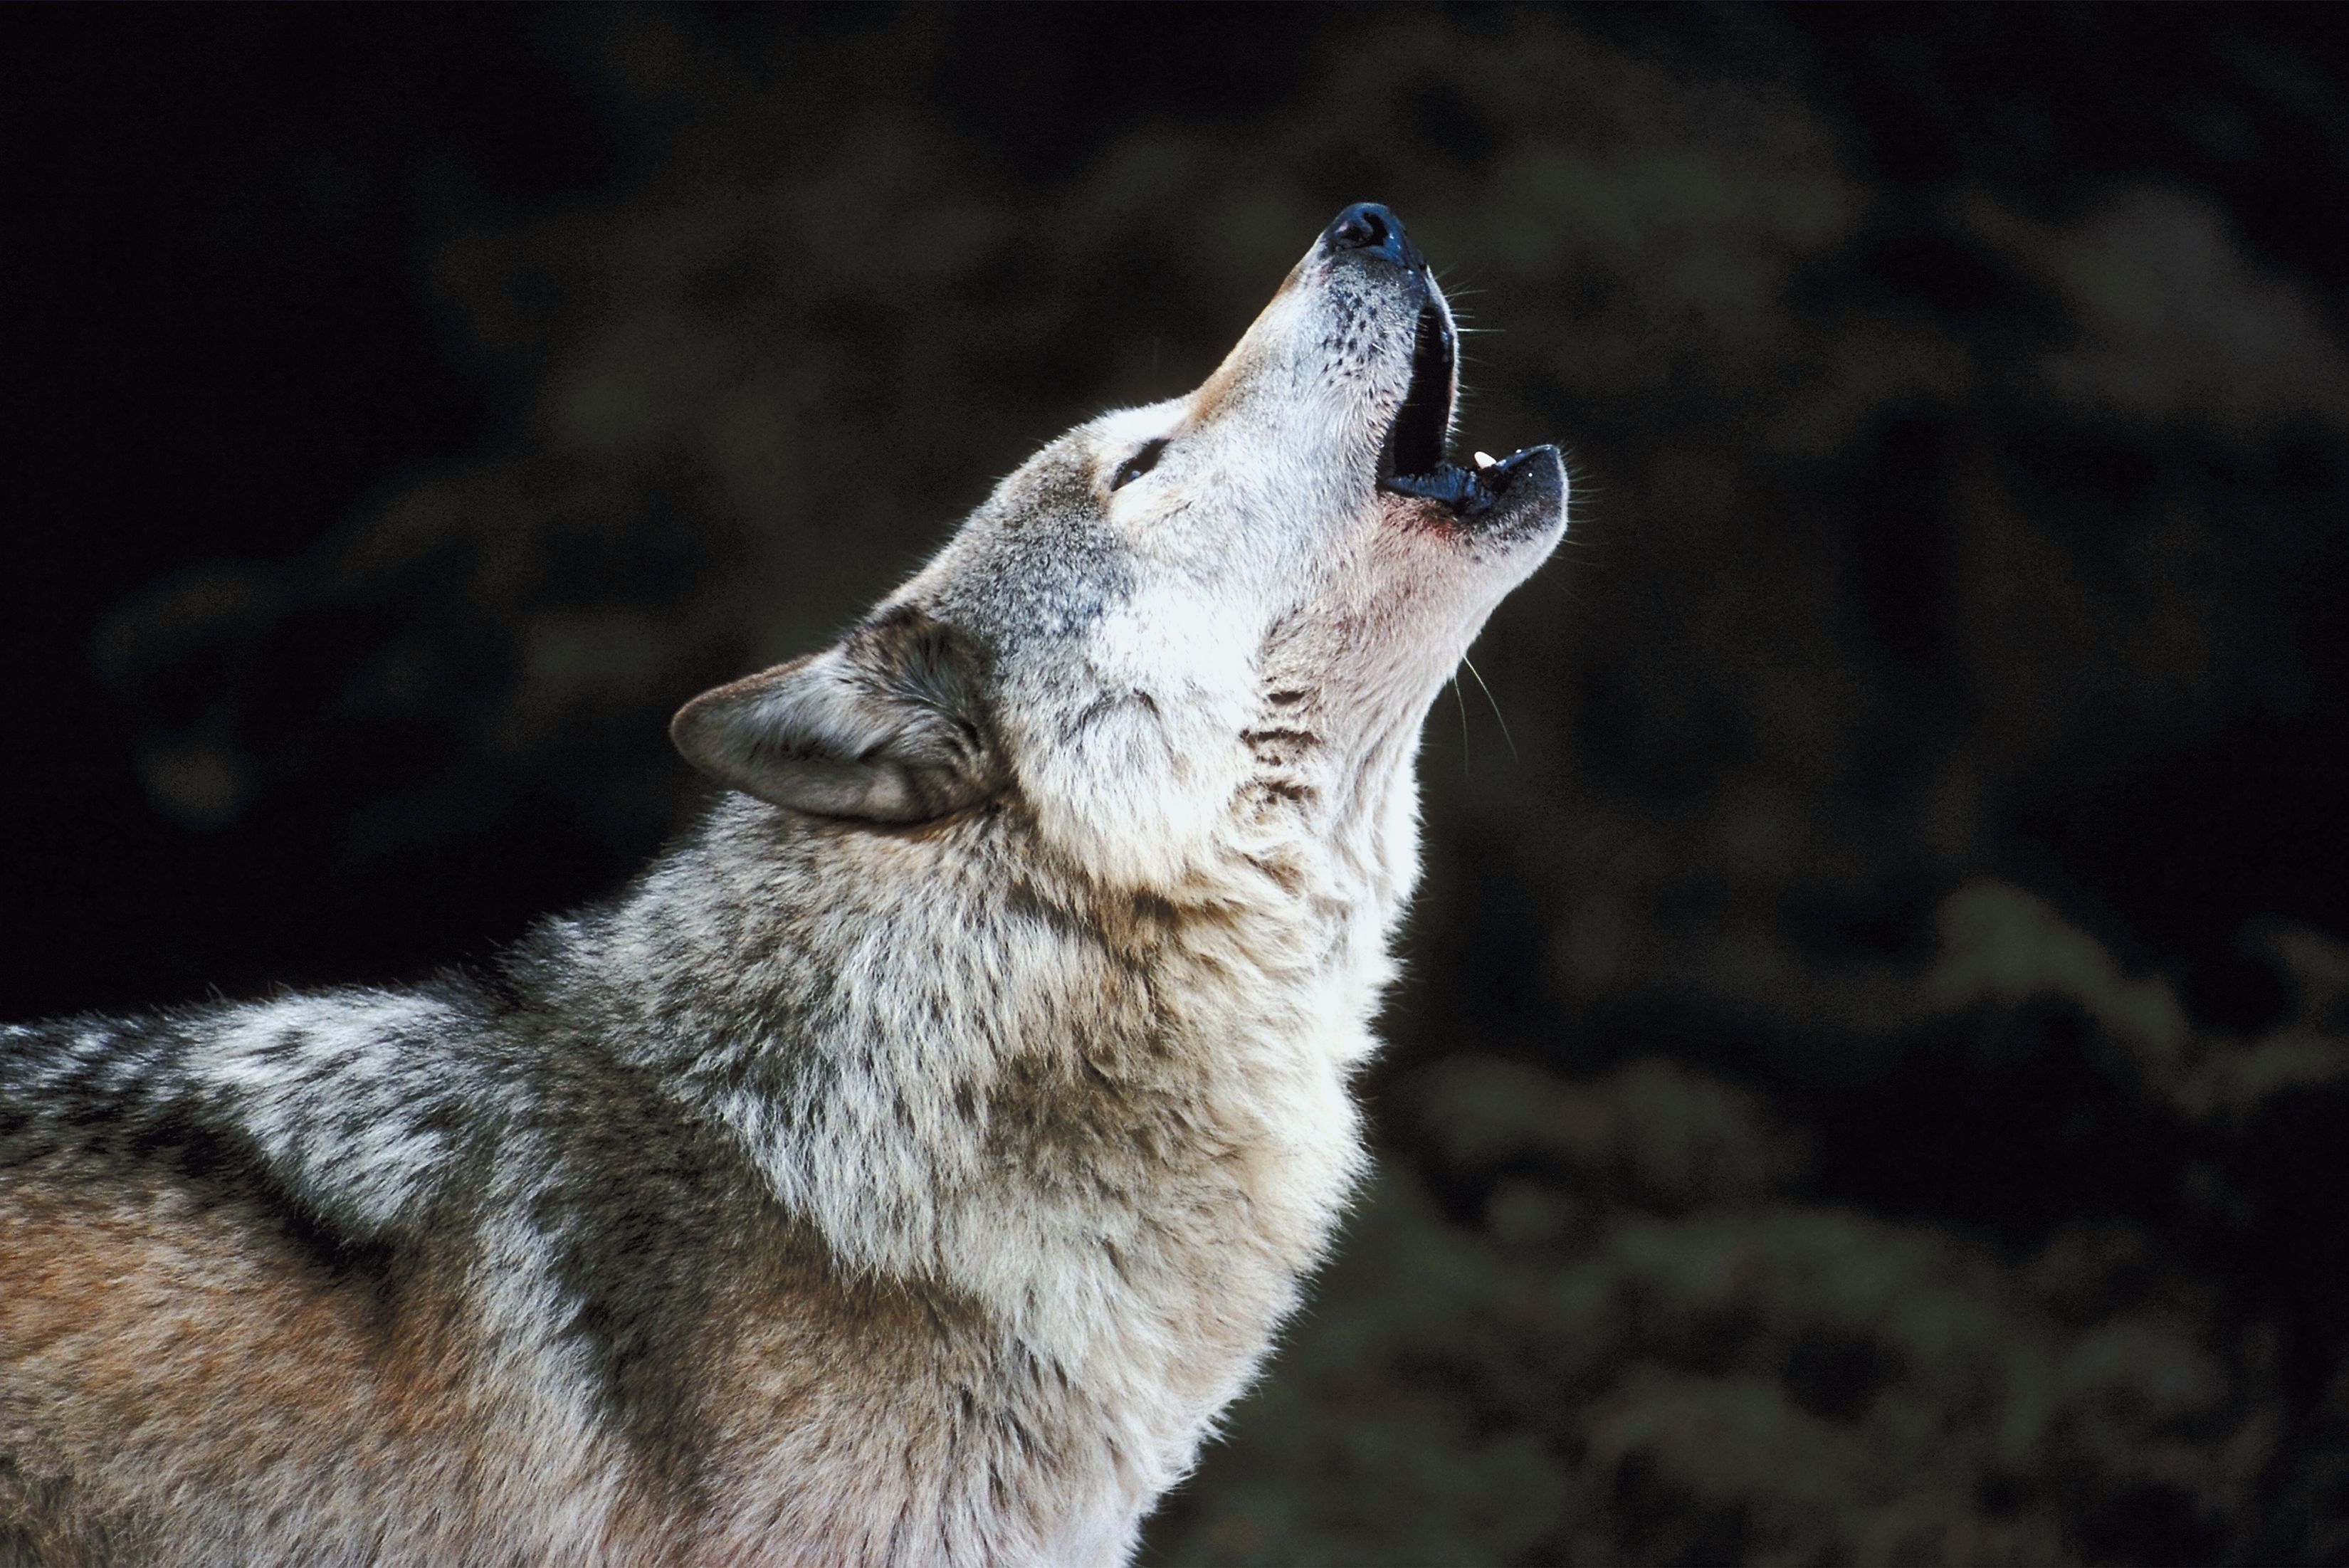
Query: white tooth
point(1484, 459)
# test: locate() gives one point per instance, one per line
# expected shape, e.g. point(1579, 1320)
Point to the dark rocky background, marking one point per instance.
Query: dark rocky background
point(1873, 1083)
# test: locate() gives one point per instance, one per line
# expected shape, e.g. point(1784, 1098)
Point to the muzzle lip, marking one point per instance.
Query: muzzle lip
point(1493, 497)
point(1527, 494)
point(1417, 438)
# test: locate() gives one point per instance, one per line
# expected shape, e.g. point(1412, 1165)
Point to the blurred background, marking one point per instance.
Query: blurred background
point(1872, 1082)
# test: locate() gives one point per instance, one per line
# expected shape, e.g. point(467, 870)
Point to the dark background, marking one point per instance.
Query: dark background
point(1872, 1079)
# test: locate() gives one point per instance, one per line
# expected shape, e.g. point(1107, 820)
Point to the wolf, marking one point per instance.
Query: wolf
point(913, 1162)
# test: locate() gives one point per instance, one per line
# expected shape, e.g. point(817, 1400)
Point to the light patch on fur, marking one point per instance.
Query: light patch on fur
point(1135, 779)
point(326, 1086)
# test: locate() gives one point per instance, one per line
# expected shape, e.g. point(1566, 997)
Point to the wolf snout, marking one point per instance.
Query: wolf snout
point(1367, 227)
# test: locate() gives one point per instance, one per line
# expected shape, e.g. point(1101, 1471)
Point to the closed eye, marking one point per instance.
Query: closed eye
point(1140, 463)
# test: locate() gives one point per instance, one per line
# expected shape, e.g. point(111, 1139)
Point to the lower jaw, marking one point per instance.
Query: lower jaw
point(1468, 493)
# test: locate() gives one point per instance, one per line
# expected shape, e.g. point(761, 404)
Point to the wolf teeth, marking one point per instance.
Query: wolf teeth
point(1484, 459)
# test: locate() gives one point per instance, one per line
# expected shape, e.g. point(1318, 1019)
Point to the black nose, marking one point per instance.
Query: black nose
point(1367, 226)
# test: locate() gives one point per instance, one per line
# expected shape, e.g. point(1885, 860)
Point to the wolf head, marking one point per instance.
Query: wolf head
point(1189, 631)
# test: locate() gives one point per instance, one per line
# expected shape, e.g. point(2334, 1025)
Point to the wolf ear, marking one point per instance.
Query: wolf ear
point(888, 725)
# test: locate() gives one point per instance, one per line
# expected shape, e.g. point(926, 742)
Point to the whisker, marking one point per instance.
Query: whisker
point(1490, 698)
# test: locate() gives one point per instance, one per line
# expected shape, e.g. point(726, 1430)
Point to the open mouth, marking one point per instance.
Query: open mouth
point(1412, 462)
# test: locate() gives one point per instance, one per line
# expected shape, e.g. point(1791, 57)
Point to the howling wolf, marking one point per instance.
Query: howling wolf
point(909, 1167)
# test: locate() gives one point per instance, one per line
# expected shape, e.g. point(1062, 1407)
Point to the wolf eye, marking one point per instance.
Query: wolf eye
point(1141, 463)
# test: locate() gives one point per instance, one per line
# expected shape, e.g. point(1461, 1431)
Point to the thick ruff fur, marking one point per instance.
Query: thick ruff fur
point(908, 1168)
